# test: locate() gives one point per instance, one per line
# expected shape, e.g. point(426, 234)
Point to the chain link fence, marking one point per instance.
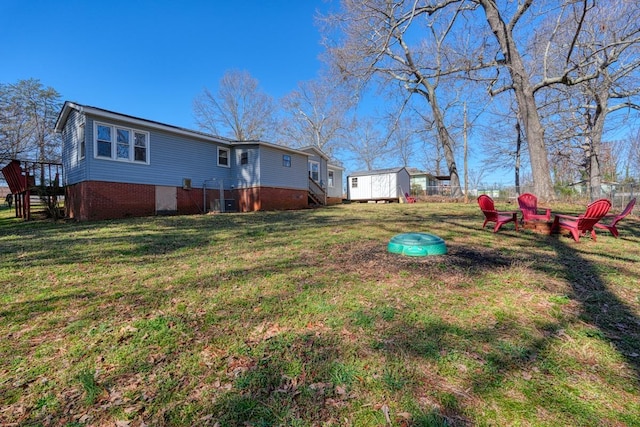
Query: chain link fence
point(619, 194)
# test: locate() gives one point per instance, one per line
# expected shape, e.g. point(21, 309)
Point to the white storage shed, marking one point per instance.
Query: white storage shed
point(379, 185)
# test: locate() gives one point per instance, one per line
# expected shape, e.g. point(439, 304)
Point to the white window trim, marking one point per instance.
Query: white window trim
point(228, 165)
point(331, 175)
point(114, 143)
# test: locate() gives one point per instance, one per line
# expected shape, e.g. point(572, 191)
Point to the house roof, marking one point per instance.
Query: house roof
point(268, 144)
point(106, 114)
point(316, 150)
point(378, 171)
point(417, 172)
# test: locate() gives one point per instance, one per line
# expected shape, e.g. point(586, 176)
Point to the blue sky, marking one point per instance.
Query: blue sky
point(152, 58)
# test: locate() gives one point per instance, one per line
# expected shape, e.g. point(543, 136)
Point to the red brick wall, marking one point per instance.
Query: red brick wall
point(268, 199)
point(190, 201)
point(95, 200)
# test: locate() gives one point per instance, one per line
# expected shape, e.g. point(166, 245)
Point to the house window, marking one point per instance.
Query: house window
point(286, 160)
point(223, 157)
point(354, 182)
point(314, 170)
point(81, 144)
point(119, 143)
point(140, 148)
point(104, 141)
point(123, 137)
point(330, 178)
point(244, 158)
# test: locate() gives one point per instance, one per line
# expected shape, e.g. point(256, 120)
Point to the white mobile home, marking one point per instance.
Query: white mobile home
point(379, 185)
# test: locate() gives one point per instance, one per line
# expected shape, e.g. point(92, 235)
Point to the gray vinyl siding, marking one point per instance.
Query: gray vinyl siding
point(74, 168)
point(274, 174)
point(336, 190)
point(246, 176)
point(171, 157)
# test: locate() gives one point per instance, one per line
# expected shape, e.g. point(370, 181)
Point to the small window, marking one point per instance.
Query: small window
point(223, 157)
point(314, 170)
point(81, 144)
point(104, 141)
point(286, 160)
point(140, 148)
point(354, 182)
point(330, 178)
point(244, 158)
point(122, 149)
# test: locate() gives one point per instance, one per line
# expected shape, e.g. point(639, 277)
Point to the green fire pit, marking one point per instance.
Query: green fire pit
point(417, 244)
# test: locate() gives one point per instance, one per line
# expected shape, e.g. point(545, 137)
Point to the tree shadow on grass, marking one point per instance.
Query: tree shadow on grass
point(600, 307)
point(509, 349)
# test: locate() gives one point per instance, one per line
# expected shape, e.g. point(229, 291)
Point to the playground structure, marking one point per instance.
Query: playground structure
point(40, 180)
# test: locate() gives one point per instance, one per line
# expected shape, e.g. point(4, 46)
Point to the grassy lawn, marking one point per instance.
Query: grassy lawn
point(302, 318)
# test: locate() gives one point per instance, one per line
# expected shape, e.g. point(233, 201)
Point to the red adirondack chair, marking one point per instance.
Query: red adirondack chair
point(579, 225)
point(612, 220)
point(409, 198)
point(529, 206)
point(492, 215)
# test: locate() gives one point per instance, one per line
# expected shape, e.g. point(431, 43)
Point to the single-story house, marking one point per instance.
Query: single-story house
point(426, 184)
point(379, 185)
point(116, 165)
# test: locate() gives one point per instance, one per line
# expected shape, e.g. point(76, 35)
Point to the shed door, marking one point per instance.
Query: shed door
point(381, 186)
point(166, 200)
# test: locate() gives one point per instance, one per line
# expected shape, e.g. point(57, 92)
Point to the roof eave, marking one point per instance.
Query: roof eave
point(106, 114)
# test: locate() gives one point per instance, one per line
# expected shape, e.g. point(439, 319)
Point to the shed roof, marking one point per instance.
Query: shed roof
point(379, 172)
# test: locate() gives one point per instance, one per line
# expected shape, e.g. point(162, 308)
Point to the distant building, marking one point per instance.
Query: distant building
point(426, 184)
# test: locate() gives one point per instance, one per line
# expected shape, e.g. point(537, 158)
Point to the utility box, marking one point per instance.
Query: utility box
point(229, 205)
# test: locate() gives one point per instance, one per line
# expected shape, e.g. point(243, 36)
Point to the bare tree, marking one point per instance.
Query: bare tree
point(606, 57)
point(316, 114)
point(475, 177)
point(367, 143)
point(403, 139)
point(633, 164)
point(504, 141)
point(384, 38)
point(239, 110)
point(376, 43)
point(502, 26)
point(28, 111)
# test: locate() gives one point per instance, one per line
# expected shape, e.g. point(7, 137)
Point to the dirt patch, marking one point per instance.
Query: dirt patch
point(371, 259)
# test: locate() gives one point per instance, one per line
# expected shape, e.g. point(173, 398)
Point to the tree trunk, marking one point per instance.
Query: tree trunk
point(527, 108)
point(447, 144)
point(466, 163)
point(517, 156)
point(595, 140)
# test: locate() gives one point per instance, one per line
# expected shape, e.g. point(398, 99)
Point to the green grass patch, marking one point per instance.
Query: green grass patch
point(302, 318)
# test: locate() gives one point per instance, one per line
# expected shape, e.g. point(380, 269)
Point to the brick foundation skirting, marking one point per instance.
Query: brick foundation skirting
point(97, 200)
point(269, 199)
